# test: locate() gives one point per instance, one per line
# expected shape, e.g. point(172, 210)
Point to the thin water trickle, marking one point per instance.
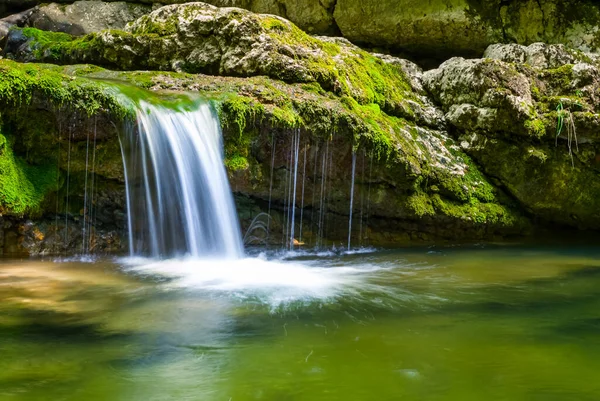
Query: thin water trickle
point(271, 186)
point(296, 154)
point(182, 203)
point(302, 201)
point(85, 196)
point(322, 197)
point(68, 189)
point(362, 201)
point(369, 195)
point(57, 185)
point(351, 199)
point(92, 211)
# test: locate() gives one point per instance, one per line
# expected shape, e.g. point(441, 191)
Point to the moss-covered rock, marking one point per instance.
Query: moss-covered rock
point(197, 37)
point(444, 28)
point(433, 29)
point(420, 181)
point(529, 117)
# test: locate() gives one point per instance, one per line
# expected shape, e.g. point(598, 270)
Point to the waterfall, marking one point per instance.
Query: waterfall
point(179, 200)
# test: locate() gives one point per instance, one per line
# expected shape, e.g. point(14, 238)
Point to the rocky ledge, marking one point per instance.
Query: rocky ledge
point(475, 149)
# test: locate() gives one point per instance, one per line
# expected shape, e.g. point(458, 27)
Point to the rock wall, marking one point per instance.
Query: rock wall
point(429, 31)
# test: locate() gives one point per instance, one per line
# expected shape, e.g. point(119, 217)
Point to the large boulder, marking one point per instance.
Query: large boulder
point(529, 117)
point(314, 16)
point(433, 29)
point(200, 38)
point(84, 17)
point(446, 28)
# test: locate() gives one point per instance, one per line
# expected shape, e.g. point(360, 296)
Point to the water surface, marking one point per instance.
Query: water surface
point(464, 323)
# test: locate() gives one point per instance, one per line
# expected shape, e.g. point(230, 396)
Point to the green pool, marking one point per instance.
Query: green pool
point(460, 323)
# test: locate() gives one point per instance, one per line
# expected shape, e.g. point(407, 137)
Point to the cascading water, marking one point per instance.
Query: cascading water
point(178, 196)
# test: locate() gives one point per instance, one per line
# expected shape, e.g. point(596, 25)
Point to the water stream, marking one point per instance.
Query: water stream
point(178, 194)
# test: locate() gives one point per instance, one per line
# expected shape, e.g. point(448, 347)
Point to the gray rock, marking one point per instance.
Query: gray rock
point(537, 55)
point(482, 94)
point(83, 17)
point(19, 19)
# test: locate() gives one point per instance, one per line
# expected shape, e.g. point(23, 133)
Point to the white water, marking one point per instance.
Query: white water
point(178, 196)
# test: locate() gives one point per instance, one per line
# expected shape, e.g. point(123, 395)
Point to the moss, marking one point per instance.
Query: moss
point(420, 204)
point(23, 186)
point(236, 163)
point(536, 127)
point(19, 83)
point(236, 111)
point(560, 79)
point(286, 116)
point(32, 97)
point(341, 70)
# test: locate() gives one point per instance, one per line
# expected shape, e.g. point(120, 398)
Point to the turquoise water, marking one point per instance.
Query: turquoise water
point(464, 323)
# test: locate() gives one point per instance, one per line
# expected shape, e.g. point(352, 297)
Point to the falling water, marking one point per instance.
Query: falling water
point(85, 196)
point(296, 154)
point(302, 201)
point(351, 198)
point(322, 197)
point(179, 201)
point(68, 189)
point(271, 187)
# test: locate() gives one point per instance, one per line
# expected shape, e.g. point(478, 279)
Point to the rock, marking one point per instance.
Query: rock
point(421, 181)
point(19, 19)
point(430, 31)
point(529, 117)
point(537, 55)
point(83, 17)
point(442, 28)
point(196, 37)
point(437, 28)
point(482, 95)
point(314, 16)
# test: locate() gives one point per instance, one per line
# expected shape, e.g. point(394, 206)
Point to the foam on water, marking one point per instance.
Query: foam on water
point(271, 281)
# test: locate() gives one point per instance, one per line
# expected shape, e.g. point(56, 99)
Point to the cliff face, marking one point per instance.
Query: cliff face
point(475, 149)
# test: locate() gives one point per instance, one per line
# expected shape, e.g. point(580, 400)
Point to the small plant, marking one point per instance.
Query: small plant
point(565, 122)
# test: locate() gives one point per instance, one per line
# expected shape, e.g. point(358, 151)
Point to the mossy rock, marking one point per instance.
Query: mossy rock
point(529, 117)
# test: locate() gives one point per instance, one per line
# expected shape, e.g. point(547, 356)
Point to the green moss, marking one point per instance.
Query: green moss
point(560, 79)
point(286, 116)
point(236, 163)
point(19, 83)
point(420, 204)
point(23, 186)
point(536, 127)
point(236, 111)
